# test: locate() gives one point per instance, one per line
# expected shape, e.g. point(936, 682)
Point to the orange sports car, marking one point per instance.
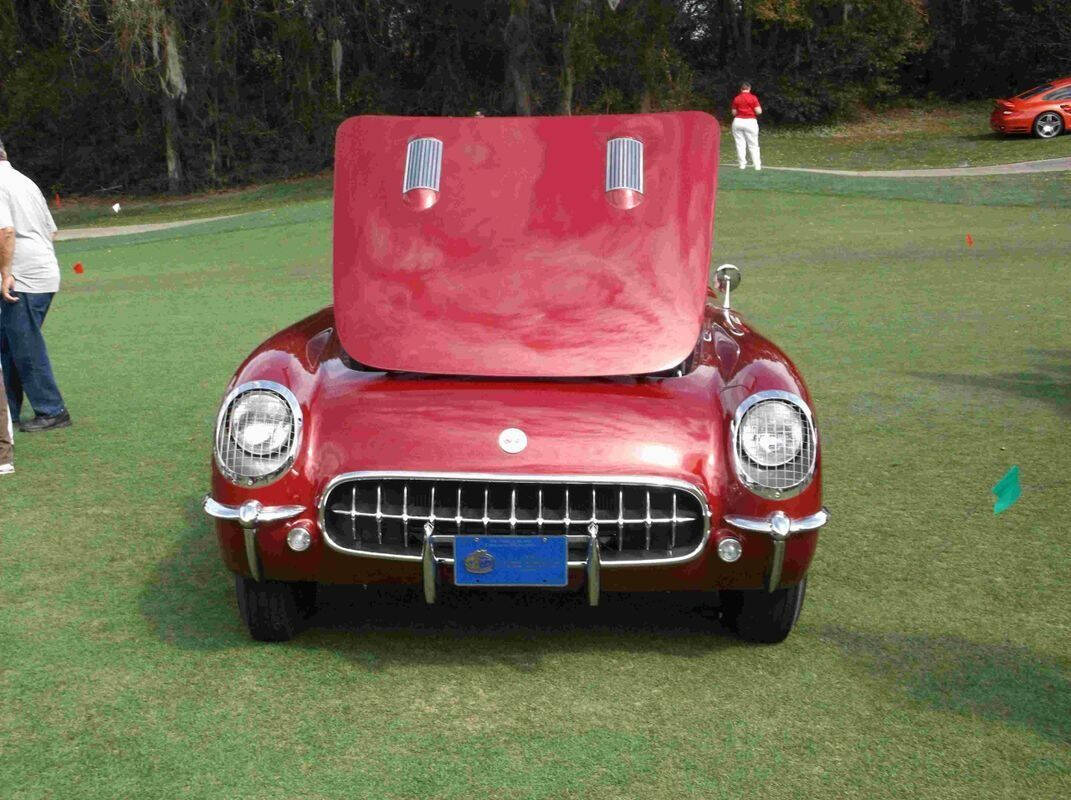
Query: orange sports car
point(1044, 111)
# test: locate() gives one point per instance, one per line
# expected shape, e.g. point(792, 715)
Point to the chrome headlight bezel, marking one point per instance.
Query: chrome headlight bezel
point(785, 480)
point(277, 462)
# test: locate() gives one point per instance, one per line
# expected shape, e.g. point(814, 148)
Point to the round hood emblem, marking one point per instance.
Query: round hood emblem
point(512, 440)
point(479, 562)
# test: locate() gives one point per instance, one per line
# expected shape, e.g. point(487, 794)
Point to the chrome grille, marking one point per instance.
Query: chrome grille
point(637, 520)
point(785, 479)
point(624, 164)
point(423, 164)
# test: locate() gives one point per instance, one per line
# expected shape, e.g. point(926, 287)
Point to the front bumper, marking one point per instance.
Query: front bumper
point(778, 528)
point(250, 515)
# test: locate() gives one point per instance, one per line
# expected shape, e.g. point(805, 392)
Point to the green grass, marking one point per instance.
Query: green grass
point(97, 211)
point(932, 659)
point(1040, 190)
point(952, 136)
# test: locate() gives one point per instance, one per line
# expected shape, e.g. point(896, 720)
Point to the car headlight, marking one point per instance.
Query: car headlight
point(257, 433)
point(774, 444)
point(771, 433)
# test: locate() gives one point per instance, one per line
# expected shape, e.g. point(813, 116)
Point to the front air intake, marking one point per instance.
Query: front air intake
point(638, 520)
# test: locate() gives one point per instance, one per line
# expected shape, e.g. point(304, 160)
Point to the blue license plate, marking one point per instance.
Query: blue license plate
point(511, 560)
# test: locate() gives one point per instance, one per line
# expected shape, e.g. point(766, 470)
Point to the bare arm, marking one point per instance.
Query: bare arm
point(7, 251)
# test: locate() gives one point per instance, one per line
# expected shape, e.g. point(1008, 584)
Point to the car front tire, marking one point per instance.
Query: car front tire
point(273, 611)
point(1048, 125)
point(756, 615)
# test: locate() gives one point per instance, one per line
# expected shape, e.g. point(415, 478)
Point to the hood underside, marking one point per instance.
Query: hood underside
point(523, 247)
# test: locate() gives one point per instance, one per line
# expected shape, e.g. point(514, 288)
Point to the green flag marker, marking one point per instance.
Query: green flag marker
point(1007, 490)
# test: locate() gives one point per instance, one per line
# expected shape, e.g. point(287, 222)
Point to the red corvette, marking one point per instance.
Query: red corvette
point(1044, 111)
point(524, 381)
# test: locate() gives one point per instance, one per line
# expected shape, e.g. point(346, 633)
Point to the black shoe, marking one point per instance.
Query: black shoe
point(43, 423)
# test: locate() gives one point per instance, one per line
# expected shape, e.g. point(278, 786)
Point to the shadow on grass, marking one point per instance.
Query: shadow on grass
point(1048, 381)
point(988, 136)
point(190, 600)
point(1009, 684)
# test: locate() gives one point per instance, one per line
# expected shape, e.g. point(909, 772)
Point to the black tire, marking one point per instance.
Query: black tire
point(756, 615)
point(1048, 125)
point(273, 611)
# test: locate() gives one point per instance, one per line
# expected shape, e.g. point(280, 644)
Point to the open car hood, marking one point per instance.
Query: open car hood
point(521, 263)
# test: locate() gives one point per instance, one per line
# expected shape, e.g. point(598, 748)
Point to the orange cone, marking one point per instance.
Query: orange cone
point(970, 241)
point(56, 201)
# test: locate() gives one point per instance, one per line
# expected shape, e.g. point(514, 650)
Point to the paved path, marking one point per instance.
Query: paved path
point(1023, 167)
point(119, 230)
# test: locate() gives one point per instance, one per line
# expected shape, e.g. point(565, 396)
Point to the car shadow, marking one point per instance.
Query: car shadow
point(189, 600)
point(984, 137)
point(1000, 682)
point(1048, 381)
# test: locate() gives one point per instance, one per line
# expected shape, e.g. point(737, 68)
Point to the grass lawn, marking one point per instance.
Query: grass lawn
point(95, 211)
point(932, 658)
point(907, 138)
point(1041, 190)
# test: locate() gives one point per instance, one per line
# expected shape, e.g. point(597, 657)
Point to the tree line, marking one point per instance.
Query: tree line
point(151, 95)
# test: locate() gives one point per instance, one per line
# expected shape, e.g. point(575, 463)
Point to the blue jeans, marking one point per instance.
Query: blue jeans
point(24, 357)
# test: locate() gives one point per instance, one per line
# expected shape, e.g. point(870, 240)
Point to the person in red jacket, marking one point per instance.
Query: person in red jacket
point(746, 110)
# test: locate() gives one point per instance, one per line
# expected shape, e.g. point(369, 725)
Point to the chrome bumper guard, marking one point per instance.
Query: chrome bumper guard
point(779, 527)
point(430, 562)
point(249, 515)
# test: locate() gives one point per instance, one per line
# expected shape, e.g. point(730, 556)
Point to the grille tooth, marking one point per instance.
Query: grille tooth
point(385, 515)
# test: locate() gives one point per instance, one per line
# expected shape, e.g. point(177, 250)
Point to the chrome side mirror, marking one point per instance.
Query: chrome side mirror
point(726, 279)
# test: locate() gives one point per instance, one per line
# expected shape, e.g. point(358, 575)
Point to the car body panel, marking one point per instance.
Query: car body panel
point(1016, 114)
point(522, 264)
point(666, 427)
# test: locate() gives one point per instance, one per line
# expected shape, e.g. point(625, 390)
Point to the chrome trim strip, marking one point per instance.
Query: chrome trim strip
point(513, 520)
point(631, 480)
point(594, 565)
point(264, 514)
point(429, 568)
point(765, 524)
point(624, 164)
point(777, 564)
point(423, 164)
point(295, 448)
point(763, 491)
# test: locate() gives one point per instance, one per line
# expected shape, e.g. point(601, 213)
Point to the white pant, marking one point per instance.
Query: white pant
point(746, 132)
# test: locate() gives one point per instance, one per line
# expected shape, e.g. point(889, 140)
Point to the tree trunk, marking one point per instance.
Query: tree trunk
point(568, 73)
point(747, 38)
point(171, 131)
point(518, 58)
point(336, 68)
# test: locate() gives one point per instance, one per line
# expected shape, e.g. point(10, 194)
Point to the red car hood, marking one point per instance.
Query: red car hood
point(522, 263)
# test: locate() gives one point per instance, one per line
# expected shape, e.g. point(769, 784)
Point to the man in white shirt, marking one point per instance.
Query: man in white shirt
point(7, 442)
point(29, 279)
